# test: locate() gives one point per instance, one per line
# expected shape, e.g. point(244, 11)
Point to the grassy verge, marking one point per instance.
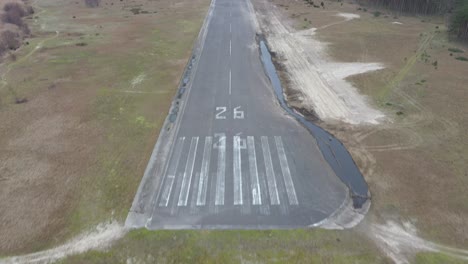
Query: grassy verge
point(285, 246)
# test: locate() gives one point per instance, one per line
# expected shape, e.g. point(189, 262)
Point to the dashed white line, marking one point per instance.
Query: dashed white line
point(272, 188)
point(187, 179)
point(230, 82)
point(164, 201)
point(237, 170)
point(203, 184)
point(255, 184)
point(286, 172)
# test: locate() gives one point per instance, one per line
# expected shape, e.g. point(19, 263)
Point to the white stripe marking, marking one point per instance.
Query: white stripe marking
point(255, 184)
point(220, 174)
point(230, 81)
point(203, 184)
point(237, 171)
point(187, 180)
point(286, 172)
point(230, 47)
point(164, 201)
point(273, 190)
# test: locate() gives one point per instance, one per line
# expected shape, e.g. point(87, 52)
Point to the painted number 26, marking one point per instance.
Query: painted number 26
point(236, 112)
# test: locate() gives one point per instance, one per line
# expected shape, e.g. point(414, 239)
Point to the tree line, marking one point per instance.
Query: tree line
point(13, 14)
point(456, 9)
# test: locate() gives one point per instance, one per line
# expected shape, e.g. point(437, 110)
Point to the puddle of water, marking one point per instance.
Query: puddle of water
point(332, 149)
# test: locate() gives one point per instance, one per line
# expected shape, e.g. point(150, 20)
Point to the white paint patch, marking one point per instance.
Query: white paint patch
point(348, 16)
point(397, 23)
point(319, 83)
point(401, 241)
point(99, 239)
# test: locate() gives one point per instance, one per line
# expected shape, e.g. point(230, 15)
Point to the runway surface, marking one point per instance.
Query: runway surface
point(238, 160)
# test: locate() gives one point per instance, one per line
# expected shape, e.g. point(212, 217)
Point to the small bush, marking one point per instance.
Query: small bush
point(461, 58)
point(81, 44)
point(21, 100)
point(92, 3)
point(14, 8)
point(455, 50)
point(135, 11)
point(377, 14)
point(10, 40)
point(12, 18)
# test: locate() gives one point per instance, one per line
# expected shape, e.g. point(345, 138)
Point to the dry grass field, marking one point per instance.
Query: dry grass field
point(95, 85)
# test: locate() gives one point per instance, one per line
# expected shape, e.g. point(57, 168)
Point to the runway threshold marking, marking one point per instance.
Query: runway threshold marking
point(255, 184)
point(237, 171)
point(172, 172)
point(290, 190)
point(187, 178)
point(262, 185)
point(270, 173)
point(221, 171)
point(203, 184)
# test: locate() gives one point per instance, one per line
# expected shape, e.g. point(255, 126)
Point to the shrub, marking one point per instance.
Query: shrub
point(455, 50)
point(12, 18)
point(377, 14)
point(14, 8)
point(92, 3)
point(461, 58)
point(10, 40)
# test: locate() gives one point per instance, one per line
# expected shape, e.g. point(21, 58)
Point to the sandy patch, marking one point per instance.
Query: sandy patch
point(137, 80)
point(400, 241)
point(317, 83)
point(348, 16)
point(99, 239)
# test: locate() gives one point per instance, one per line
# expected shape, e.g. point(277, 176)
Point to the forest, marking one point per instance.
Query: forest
point(457, 10)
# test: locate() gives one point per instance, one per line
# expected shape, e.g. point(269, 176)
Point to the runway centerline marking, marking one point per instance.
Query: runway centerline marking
point(164, 201)
point(187, 178)
point(270, 173)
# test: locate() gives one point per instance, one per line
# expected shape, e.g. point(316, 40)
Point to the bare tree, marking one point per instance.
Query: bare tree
point(10, 40)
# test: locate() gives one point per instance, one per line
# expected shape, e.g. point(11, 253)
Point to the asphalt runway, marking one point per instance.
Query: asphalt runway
point(238, 160)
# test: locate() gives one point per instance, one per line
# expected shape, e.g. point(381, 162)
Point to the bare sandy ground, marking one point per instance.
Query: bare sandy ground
point(317, 83)
point(399, 241)
point(98, 239)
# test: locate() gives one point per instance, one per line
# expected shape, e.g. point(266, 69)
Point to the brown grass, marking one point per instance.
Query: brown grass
point(73, 154)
